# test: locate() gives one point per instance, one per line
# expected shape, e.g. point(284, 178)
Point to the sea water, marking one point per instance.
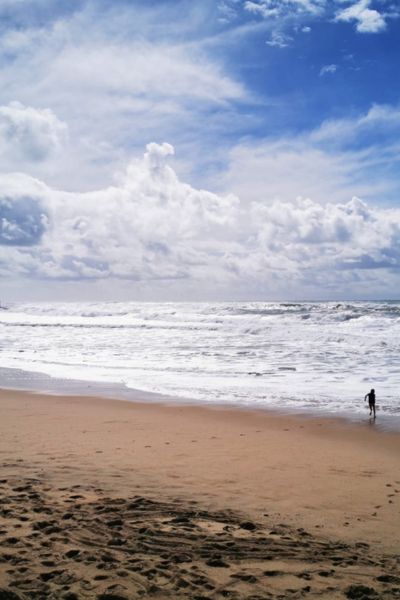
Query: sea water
point(319, 357)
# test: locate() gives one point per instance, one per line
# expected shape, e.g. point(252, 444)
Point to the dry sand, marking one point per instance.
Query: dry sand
point(114, 500)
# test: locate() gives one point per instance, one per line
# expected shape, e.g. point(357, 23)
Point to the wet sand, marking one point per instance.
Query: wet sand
point(116, 500)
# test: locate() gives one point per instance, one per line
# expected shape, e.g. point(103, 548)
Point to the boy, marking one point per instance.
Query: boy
point(371, 402)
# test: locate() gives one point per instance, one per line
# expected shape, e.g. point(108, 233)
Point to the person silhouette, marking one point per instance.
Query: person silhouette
point(371, 402)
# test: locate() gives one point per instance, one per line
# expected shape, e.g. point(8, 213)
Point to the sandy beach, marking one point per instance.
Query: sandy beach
point(109, 499)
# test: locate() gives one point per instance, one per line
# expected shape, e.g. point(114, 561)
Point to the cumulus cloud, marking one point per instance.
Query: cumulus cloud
point(23, 221)
point(151, 226)
point(351, 230)
point(29, 132)
point(333, 248)
point(154, 227)
point(23, 212)
point(367, 20)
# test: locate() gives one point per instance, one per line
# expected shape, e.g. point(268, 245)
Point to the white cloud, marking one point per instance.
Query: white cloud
point(340, 159)
point(367, 20)
point(380, 121)
point(279, 40)
point(261, 8)
point(333, 249)
point(138, 70)
point(19, 40)
point(29, 133)
point(286, 168)
point(328, 69)
point(227, 11)
point(116, 91)
point(123, 75)
point(154, 228)
point(274, 8)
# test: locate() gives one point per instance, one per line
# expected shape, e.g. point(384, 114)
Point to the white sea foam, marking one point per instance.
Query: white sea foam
point(319, 356)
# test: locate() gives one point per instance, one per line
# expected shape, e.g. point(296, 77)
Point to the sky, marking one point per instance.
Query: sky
point(199, 150)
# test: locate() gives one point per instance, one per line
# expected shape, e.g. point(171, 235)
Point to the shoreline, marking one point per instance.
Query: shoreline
point(40, 383)
point(321, 496)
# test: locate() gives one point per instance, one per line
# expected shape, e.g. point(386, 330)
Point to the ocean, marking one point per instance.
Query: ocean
point(306, 357)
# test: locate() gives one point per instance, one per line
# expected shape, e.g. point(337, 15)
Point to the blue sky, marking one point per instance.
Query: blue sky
point(223, 149)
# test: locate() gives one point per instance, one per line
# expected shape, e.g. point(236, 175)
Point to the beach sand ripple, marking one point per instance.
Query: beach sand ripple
point(77, 542)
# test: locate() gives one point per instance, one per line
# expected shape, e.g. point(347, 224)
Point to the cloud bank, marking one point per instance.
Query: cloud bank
point(240, 88)
point(153, 227)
